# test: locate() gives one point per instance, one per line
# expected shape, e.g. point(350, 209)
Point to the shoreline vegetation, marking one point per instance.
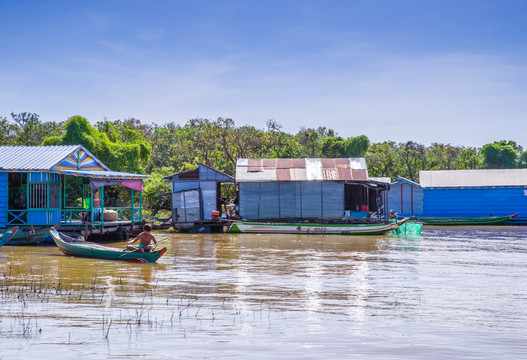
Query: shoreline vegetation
point(161, 150)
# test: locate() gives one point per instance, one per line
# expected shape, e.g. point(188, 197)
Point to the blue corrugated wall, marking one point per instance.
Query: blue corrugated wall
point(3, 199)
point(475, 202)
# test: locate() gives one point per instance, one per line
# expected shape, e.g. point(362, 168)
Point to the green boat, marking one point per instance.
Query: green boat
point(315, 228)
point(81, 248)
point(8, 235)
point(490, 220)
point(30, 236)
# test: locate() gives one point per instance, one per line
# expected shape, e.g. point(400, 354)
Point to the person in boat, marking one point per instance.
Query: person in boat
point(145, 240)
point(392, 214)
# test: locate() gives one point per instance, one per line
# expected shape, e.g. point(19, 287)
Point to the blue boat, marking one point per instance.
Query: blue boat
point(5, 237)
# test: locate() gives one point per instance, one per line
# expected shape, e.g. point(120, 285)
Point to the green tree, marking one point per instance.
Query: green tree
point(118, 156)
point(357, 146)
point(500, 155)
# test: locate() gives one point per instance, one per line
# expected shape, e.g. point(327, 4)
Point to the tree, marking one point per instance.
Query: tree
point(501, 155)
point(334, 147)
point(118, 156)
point(357, 146)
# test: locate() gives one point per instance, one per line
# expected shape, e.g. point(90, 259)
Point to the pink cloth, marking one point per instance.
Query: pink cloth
point(133, 184)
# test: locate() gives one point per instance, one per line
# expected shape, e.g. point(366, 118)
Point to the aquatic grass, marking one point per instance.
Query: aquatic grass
point(27, 301)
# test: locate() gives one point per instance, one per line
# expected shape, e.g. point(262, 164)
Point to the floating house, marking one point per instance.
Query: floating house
point(293, 189)
point(196, 198)
point(461, 193)
point(470, 193)
point(43, 186)
point(405, 197)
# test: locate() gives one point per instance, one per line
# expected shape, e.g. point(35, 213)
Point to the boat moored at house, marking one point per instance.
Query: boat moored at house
point(462, 197)
point(314, 190)
point(44, 186)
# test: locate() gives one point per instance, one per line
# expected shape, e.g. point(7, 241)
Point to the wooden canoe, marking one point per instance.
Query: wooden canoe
point(8, 235)
point(31, 237)
point(315, 228)
point(467, 221)
point(75, 247)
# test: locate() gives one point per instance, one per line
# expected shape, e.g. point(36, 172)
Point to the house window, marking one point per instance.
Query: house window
point(38, 195)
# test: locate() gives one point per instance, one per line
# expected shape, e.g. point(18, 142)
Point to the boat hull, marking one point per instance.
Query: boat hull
point(7, 236)
point(313, 228)
point(459, 221)
point(31, 237)
point(80, 248)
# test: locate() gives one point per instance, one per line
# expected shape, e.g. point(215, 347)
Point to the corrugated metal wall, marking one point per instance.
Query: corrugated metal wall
point(3, 199)
point(275, 200)
point(187, 204)
point(208, 198)
point(475, 202)
point(195, 211)
point(405, 199)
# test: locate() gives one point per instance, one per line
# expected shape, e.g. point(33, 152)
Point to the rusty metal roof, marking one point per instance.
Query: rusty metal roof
point(262, 170)
point(475, 178)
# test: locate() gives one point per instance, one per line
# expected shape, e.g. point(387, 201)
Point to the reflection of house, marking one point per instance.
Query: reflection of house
point(462, 193)
point(47, 185)
point(306, 188)
point(195, 195)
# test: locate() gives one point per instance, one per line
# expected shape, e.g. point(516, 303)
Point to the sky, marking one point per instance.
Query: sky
point(430, 71)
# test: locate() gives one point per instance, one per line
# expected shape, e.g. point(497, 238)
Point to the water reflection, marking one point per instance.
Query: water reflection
point(265, 296)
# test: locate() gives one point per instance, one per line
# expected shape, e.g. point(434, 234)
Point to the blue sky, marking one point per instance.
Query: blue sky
point(428, 71)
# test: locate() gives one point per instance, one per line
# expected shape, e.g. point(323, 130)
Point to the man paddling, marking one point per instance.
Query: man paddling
point(145, 240)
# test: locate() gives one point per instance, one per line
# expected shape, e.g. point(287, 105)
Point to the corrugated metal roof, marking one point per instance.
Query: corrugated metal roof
point(385, 180)
point(469, 178)
point(199, 173)
point(33, 158)
point(261, 170)
point(57, 159)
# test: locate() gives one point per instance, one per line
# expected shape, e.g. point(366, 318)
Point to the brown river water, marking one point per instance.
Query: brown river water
point(452, 293)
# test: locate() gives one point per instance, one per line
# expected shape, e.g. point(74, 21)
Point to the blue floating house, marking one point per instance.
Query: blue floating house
point(469, 193)
point(42, 186)
point(301, 189)
point(461, 193)
point(196, 194)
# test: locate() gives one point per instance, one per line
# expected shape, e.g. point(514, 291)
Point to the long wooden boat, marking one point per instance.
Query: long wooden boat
point(30, 236)
point(490, 220)
point(81, 248)
point(315, 228)
point(8, 235)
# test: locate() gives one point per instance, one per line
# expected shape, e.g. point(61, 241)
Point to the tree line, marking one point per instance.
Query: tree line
point(159, 150)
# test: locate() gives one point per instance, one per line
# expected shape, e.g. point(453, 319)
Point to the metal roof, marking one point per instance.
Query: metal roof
point(67, 159)
point(33, 158)
point(381, 179)
point(473, 178)
point(199, 174)
point(262, 170)
point(402, 180)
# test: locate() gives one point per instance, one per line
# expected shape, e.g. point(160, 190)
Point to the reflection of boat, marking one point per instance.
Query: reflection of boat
point(8, 235)
point(490, 220)
point(30, 236)
point(315, 228)
point(81, 248)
